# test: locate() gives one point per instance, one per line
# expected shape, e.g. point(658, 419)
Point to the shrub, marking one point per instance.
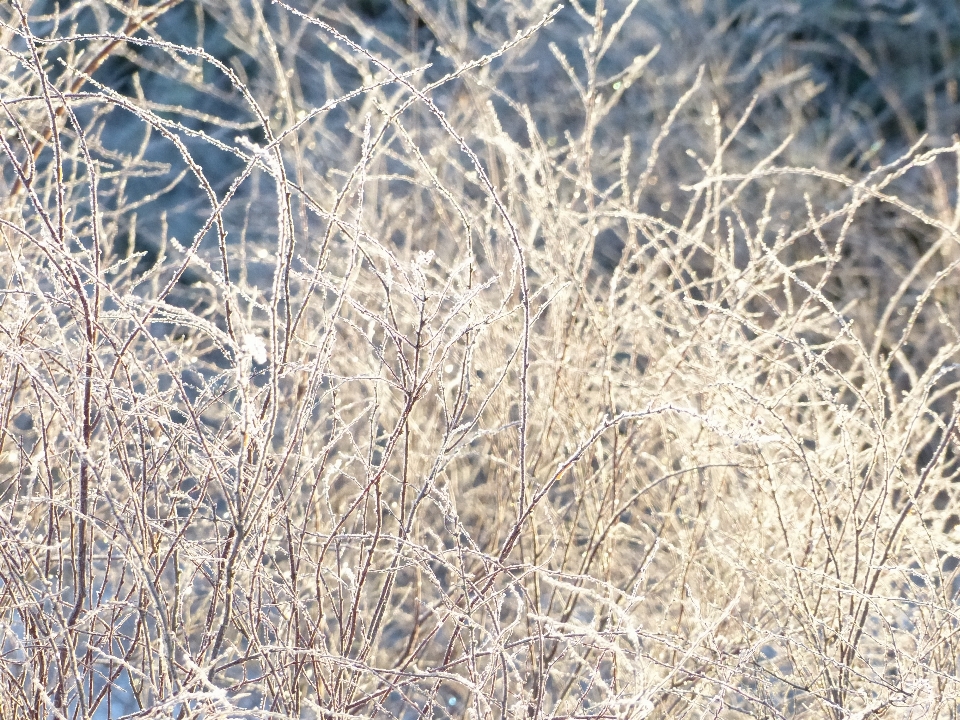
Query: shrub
point(554, 379)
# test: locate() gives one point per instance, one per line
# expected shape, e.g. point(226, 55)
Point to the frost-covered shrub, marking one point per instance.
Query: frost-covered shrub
point(478, 359)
